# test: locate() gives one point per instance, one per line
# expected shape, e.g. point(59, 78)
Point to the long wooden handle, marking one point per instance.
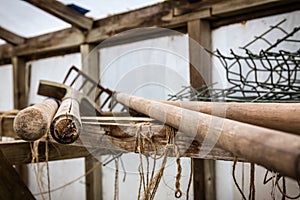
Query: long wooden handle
point(279, 116)
point(33, 122)
point(278, 151)
point(66, 125)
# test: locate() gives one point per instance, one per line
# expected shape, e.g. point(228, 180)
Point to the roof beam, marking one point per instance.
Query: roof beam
point(11, 37)
point(159, 15)
point(63, 12)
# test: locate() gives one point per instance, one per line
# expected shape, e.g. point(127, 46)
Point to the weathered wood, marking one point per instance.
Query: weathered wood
point(33, 122)
point(7, 126)
point(69, 40)
point(19, 152)
point(279, 151)
point(60, 40)
point(66, 125)
point(20, 79)
point(11, 185)
point(121, 137)
point(90, 66)
point(63, 12)
point(270, 115)
point(200, 75)
point(11, 37)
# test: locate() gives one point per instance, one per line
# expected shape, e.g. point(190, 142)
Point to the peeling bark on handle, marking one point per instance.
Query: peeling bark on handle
point(276, 150)
point(66, 125)
point(33, 122)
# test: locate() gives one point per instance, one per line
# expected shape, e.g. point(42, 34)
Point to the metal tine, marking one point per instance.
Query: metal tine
point(68, 74)
point(104, 103)
point(98, 95)
point(74, 80)
point(83, 84)
point(91, 89)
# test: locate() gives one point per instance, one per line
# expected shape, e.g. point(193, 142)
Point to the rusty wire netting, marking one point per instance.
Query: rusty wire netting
point(272, 74)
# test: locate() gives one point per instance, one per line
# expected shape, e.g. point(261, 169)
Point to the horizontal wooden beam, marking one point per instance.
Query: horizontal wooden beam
point(11, 37)
point(168, 14)
point(63, 12)
point(106, 134)
point(19, 151)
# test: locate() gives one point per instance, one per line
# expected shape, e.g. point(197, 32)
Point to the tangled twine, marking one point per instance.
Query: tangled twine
point(150, 186)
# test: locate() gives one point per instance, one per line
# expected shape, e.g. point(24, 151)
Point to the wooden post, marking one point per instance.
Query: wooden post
point(21, 88)
point(90, 65)
point(20, 80)
point(204, 170)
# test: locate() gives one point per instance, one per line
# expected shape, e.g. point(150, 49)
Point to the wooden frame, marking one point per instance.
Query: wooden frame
point(169, 14)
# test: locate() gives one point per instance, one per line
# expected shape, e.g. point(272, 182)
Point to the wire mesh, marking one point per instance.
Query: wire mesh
point(272, 74)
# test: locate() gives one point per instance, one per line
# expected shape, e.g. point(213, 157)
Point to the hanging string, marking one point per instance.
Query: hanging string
point(116, 188)
point(47, 166)
point(243, 177)
point(178, 192)
point(275, 183)
point(97, 165)
point(190, 179)
point(234, 179)
point(283, 191)
point(35, 159)
point(252, 183)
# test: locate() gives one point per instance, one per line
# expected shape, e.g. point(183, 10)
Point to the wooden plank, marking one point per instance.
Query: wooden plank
point(11, 185)
point(235, 7)
point(91, 67)
point(18, 152)
point(20, 80)
point(60, 40)
point(11, 37)
point(145, 17)
point(63, 12)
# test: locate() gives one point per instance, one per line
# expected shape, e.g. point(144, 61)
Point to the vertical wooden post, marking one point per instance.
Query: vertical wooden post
point(90, 65)
point(204, 170)
point(20, 82)
point(21, 91)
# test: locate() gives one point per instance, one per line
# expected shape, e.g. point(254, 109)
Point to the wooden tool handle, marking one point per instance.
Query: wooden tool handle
point(33, 122)
point(66, 125)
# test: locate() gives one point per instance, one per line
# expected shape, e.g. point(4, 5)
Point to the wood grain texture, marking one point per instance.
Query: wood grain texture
point(33, 122)
point(278, 151)
point(279, 116)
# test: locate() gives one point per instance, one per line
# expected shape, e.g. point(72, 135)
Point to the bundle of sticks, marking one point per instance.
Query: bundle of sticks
point(267, 134)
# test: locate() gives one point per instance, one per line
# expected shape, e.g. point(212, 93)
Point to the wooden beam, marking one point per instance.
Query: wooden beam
point(11, 185)
point(95, 137)
point(20, 80)
point(63, 12)
point(19, 152)
point(159, 15)
point(11, 37)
